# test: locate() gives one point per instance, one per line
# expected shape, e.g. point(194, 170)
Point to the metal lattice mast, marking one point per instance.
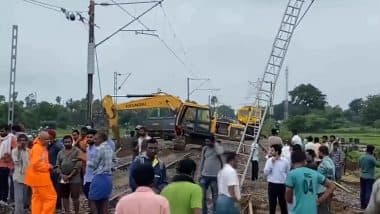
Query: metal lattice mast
point(267, 83)
point(12, 79)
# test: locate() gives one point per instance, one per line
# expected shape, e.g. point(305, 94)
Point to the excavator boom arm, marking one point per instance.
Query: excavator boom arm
point(158, 100)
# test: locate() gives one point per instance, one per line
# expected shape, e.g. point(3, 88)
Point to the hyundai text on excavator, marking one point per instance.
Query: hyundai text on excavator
point(192, 121)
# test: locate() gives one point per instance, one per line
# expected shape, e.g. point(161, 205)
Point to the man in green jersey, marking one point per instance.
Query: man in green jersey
point(303, 183)
point(183, 194)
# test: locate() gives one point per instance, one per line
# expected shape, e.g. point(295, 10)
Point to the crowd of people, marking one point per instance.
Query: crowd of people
point(301, 175)
point(45, 173)
point(48, 175)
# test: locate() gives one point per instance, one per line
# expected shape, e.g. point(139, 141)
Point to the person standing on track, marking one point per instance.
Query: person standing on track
point(144, 200)
point(75, 135)
point(367, 163)
point(374, 202)
point(296, 139)
point(183, 194)
point(37, 176)
point(211, 163)
point(54, 148)
point(90, 157)
point(68, 167)
point(325, 142)
point(302, 183)
point(228, 187)
point(276, 169)
point(82, 141)
point(326, 168)
point(274, 139)
point(337, 155)
point(142, 134)
point(149, 156)
point(255, 161)
point(7, 143)
point(101, 185)
point(310, 144)
point(20, 156)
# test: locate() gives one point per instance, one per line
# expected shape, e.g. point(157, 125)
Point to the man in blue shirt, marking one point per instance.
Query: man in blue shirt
point(90, 155)
point(367, 163)
point(303, 183)
point(149, 156)
point(101, 185)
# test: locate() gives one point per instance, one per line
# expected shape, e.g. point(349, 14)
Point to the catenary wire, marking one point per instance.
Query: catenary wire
point(97, 70)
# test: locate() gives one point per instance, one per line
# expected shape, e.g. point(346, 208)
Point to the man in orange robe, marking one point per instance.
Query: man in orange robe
point(37, 176)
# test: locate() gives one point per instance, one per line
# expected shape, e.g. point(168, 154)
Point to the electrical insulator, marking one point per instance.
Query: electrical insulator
point(72, 16)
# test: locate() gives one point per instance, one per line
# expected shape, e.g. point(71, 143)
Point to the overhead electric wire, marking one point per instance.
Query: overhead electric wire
point(46, 4)
point(97, 69)
point(129, 23)
point(52, 7)
point(37, 3)
point(171, 50)
point(176, 56)
point(126, 3)
point(173, 31)
point(132, 16)
point(303, 15)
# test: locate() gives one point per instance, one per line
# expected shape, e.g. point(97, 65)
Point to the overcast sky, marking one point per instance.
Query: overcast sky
point(336, 48)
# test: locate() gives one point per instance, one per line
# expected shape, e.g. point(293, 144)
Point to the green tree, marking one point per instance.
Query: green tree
point(58, 99)
point(296, 123)
point(30, 101)
point(356, 105)
point(371, 109)
point(226, 112)
point(308, 96)
point(2, 99)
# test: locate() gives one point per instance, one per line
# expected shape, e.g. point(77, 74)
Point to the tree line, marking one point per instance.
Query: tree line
point(310, 111)
point(72, 113)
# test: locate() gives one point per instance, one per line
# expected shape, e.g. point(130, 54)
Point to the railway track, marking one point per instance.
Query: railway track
point(169, 165)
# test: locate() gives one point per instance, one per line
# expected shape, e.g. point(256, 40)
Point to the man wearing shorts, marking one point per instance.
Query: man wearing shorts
point(101, 185)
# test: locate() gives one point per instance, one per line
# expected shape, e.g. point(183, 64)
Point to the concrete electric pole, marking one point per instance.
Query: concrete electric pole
point(12, 79)
point(90, 59)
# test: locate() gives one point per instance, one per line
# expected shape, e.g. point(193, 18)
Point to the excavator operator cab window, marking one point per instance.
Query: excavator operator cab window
point(195, 119)
point(203, 119)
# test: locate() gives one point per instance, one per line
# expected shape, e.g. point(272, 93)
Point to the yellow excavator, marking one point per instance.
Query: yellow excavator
point(193, 122)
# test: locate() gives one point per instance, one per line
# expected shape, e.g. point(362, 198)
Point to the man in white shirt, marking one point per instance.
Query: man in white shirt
point(276, 169)
point(228, 187)
point(285, 151)
point(310, 144)
point(255, 161)
point(296, 139)
point(142, 134)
